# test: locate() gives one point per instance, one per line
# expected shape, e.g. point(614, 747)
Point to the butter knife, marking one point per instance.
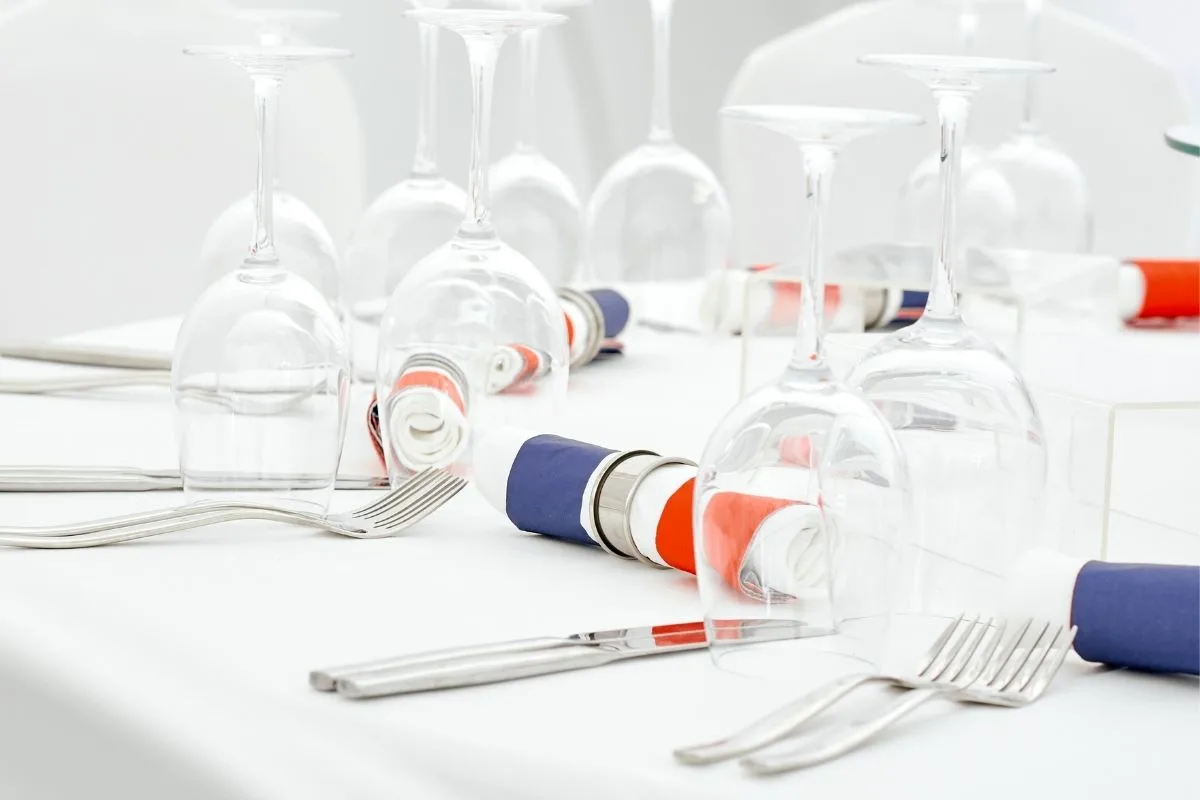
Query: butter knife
point(86, 355)
point(526, 658)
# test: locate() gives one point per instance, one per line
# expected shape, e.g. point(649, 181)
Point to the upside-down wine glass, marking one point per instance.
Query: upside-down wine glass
point(969, 429)
point(658, 224)
point(534, 204)
point(261, 368)
point(802, 496)
point(412, 218)
point(474, 335)
point(1053, 213)
point(988, 207)
point(300, 235)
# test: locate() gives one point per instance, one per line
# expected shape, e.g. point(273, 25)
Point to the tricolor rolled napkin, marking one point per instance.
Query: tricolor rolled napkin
point(429, 407)
point(733, 302)
point(636, 504)
point(1139, 616)
point(1159, 289)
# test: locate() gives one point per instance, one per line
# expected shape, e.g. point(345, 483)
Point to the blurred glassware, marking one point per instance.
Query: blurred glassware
point(988, 203)
point(970, 432)
point(658, 225)
point(1052, 212)
point(473, 334)
point(804, 476)
point(261, 369)
point(408, 221)
point(300, 235)
point(535, 206)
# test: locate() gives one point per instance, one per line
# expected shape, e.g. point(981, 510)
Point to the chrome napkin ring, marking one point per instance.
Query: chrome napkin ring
point(612, 504)
point(610, 500)
point(588, 306)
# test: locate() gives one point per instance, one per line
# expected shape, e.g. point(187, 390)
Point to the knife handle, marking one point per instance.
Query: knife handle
point(325, 680)
point(492, 668)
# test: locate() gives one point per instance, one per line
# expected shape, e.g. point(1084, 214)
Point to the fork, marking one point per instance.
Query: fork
point(941, 663)
point(1013, 678)
point(419, 497)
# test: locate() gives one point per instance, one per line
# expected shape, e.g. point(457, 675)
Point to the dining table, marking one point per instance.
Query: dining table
point(177, 667)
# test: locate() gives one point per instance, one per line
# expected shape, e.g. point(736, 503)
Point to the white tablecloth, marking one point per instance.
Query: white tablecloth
point(177, 667)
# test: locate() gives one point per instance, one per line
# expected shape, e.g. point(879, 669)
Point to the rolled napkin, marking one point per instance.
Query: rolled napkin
point(638, 505)
point(733, 301)
point(429, 406)
point(427, 412)
point(1158, 289)
point(1139, 616)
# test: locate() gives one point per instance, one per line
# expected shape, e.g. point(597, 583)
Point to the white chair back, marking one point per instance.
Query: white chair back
point(1107, 105)
point(118, 152)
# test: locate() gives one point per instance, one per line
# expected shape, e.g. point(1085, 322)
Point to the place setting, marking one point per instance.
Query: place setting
point(886, 480)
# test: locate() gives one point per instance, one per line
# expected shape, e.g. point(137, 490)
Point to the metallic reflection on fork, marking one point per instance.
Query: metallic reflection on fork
point(945, 661)
point(1014, 676)
point(412, 502)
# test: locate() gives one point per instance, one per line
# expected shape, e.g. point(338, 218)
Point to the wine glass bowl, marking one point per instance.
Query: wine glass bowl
point(537, 210)
point(474, 304)
point(260, 372)
point(410, 219)
point(962, 414)
point(658, 224)
point(801, 495)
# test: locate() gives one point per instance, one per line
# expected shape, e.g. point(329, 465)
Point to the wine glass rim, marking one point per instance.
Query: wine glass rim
point(282, 52)
point(963, 64)
point(782, 112)
point(495, 16)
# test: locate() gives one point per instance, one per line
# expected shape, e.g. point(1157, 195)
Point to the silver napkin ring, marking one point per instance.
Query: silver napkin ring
point(609, 501)
point(590, 309)
point(627, 514)
point(612, 507)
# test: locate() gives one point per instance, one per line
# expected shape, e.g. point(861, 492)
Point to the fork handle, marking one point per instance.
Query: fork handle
point(776, 725)
point(843, 740)
point(163, 515)
point(143, 530)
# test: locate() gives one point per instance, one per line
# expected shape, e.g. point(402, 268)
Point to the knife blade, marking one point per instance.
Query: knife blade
point(86, 355)
point(504, 661)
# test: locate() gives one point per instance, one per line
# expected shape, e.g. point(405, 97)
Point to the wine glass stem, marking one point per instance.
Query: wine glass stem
point(425, 160)
point(482, 50)
point(1033, 19)
point(660, 113)
point(953, 110)
point(808, 352)
point(266, 105)
point(530, 50)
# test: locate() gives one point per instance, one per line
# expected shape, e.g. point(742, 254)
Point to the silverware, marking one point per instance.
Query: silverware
point(419, 497)
point(944, 661)
point(133, 479)
point(1014, 677)
point(88, 355)
point(84, 383)
point(493, 663)
point(125, 358)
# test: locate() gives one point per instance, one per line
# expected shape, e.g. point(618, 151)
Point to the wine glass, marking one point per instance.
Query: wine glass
point(1053, 213)
point(801, 495)
point(988, 206)
point(260, 375)
point(300, 235)
point(970, 431)
point(473, 334)
point(535, 206)
point(658, 224)
point(409, 220)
